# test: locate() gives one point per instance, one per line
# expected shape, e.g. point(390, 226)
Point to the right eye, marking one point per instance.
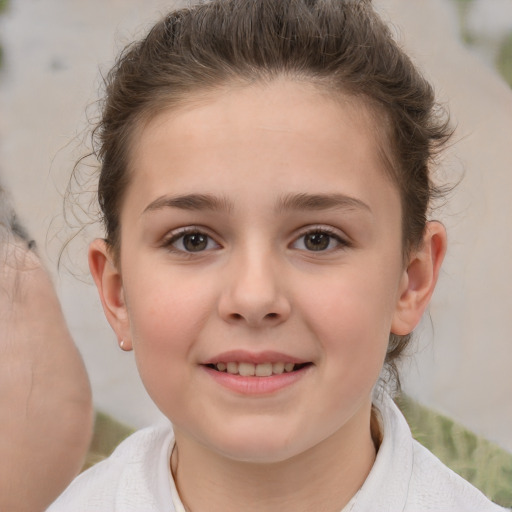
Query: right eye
point(191, 241)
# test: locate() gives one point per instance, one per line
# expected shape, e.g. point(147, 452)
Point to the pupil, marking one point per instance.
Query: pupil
point(195, 242)
point(317, 241)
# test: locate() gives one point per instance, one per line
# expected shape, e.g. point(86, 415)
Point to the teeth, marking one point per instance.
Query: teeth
point(264, 370)
point(246, 369)
point(258, 370)
point(288, 367)
point(232, 368)
point(278, 368)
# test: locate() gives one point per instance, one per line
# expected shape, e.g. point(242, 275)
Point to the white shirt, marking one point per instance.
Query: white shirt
point(405, 477)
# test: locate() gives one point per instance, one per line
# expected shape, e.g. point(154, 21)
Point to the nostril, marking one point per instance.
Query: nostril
point(271, 315)
point(236, 316)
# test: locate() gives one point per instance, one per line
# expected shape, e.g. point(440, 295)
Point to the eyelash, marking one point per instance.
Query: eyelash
point(170, 242)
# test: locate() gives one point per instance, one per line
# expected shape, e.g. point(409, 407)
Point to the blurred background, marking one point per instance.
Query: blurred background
point(53, 53)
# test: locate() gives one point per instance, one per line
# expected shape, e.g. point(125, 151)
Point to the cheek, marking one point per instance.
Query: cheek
point(351, 316)
point(355, 342)
point(166, 317)
point(164, 324)
point(353, 301)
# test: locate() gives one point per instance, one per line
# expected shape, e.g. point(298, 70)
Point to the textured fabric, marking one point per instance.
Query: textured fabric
point(406, 477)
point(135, 478)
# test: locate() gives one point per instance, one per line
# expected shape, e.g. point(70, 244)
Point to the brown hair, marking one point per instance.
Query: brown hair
point(10, 227)
point(341, 46)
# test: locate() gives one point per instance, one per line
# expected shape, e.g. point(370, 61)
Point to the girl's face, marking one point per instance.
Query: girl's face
point(260, 233)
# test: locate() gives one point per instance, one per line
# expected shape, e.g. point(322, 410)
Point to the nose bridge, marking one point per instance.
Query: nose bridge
point(254, 289)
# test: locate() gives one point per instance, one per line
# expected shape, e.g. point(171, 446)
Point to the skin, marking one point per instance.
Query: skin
point(45, 403)
point(257, 287)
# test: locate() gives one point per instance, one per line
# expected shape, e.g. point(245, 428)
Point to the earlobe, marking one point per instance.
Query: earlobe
point(110, 288)
point(419, 279)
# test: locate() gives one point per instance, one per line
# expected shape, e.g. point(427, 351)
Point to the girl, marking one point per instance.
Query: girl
point(265, 183)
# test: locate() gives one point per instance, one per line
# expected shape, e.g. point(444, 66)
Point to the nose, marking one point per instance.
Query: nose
point(254, 293)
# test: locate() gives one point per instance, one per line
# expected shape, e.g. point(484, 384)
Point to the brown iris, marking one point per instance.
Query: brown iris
point(195, 242)
point(317, 241)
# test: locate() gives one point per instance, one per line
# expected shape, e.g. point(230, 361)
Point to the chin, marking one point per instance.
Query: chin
point(258, 455)
point(259, 446)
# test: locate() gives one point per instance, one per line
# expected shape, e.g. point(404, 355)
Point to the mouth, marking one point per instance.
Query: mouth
point(246, 369)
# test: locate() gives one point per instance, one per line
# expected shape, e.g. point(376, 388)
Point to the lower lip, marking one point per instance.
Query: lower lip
point(256, 385)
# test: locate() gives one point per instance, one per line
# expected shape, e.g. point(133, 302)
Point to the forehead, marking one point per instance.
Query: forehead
point(288, 130)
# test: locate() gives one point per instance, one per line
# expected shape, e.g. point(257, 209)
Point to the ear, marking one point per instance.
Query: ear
point(419, 280)
point(110, 287)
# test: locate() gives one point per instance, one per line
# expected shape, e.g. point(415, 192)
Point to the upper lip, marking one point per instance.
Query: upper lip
point(243, 356)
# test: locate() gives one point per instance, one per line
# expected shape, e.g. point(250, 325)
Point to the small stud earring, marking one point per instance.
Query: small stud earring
point(121, 343)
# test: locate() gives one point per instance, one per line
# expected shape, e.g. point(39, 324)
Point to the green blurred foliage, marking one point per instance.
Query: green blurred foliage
point(463, 7)
point(485, 465)
point(3, 7)
point(504, 59)
point(108, 433)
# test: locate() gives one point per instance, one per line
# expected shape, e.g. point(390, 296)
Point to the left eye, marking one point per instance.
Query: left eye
point(193, 241)
point(317, 241)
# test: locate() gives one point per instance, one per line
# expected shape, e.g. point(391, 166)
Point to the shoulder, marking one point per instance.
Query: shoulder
point(434, 485)
point(135, 475)
point(407, 477)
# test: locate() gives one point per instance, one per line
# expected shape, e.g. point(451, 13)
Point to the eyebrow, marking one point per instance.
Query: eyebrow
point(194, 202)
point(321, 202)
point(302, 201)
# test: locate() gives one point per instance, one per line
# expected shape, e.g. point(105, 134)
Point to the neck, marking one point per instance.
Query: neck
point(324, 478)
